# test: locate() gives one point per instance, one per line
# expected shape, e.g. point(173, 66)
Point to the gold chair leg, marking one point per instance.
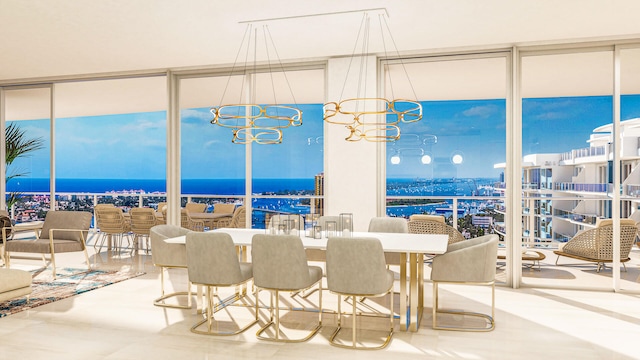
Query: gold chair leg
point(276, 322)
point(489, 319)
point(160, 301)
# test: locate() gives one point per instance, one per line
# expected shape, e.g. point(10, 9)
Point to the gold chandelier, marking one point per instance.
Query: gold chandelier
point(373, 119)
point(252, 122)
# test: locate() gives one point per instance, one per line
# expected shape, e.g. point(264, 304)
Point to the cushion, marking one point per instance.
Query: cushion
point(79, 220)
point(424, 217)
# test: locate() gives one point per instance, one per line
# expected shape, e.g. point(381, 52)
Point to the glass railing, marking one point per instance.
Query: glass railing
point(584, 152)
point(33, 206)
point(568, 186)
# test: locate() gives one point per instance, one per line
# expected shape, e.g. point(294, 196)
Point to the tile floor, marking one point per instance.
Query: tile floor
point(120, 322)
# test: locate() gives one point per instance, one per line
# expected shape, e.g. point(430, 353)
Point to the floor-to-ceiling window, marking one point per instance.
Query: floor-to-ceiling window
point(445, 164)
point(28, 123)
point(630, 170)
point(567, 147)
point(284, 177)
point(111, 142)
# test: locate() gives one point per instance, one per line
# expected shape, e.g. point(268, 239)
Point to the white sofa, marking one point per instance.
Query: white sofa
point(14, 283)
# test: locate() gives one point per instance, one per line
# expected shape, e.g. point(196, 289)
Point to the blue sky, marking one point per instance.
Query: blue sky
point(133, 145)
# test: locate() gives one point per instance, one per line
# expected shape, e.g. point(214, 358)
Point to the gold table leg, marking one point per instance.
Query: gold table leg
point(403, 291)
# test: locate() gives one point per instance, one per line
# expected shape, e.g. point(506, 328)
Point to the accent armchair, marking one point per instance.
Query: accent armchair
point(470, 262)
point(62, 231)
point(596, 245)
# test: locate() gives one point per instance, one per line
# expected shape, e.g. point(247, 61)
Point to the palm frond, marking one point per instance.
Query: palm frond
point(17, 144)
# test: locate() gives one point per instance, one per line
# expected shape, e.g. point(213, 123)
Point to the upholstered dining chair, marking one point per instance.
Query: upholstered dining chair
point(596, 245)
point(280, 264)
point(387, 224)
point(433, 224)
point(169, 256)
point(470, 262)
point(142, 220)
point(356, 267)
point(212, 261)
point(62, 232)
point(113, 226)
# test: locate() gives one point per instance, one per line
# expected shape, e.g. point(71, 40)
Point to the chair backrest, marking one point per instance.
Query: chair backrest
point(165, 254)
point(142, 220)
point(195, 207)
point(386, 224)
point(239, 220)
point(224, 208)
point(279, 262)
point(280, 219)
point(110, 220)
point(473, 260)
point(76, 220)
point(604, 238)
point(356, 266)
point(433, 224)
point(212, 259)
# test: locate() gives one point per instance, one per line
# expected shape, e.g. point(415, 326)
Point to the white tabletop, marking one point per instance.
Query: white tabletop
point(391, 242)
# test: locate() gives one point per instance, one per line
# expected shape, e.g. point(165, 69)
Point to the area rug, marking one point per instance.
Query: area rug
point(69, 282)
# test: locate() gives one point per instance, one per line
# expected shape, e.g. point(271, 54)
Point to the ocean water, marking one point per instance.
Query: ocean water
point(189, 186)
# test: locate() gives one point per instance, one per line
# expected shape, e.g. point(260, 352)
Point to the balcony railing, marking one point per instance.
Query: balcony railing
point(593, 188)
point(584, 152)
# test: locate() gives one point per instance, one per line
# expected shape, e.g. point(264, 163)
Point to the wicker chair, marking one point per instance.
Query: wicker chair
point(112, 224)
point(596, 245)
point(142, 220)
point(238, 220)
point(196, 207)
point(433, 224)
point(188, 223)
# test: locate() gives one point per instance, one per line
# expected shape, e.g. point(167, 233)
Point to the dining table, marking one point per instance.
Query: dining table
point(411, 247)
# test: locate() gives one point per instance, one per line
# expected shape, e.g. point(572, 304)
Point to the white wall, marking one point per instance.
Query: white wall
point(350, 167)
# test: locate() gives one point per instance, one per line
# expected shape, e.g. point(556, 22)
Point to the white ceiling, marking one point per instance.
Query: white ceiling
point(42, 39)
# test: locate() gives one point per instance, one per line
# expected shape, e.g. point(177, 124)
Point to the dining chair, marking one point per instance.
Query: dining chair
point(212, 262)
point(280, 264)
point(142, 220)
point(433, 224)
point(113, 227)
point(169, 256)
point(223, 208)
point(187, 222)
point(470, 262)
point(196, 207)
point(356, 267)
point(238, 220)
point(387, 224)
